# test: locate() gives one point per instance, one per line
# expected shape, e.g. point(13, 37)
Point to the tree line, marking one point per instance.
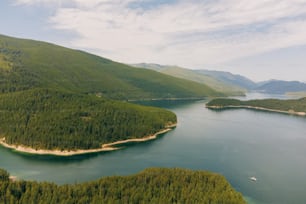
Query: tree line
point(53, 119)
point(154, 185)
point(298, 105)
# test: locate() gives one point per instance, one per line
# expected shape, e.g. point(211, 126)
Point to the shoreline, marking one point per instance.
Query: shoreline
point(104, 147)
point(167, 99)
point(290, 112)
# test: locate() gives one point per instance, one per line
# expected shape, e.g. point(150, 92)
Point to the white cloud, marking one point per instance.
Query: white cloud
point(32, 2)
point(189, 33)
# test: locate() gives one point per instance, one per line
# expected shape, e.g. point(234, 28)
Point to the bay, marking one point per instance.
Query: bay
point(238, 144)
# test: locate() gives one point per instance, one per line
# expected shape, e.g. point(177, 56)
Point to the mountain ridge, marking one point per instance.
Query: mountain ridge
point(28, 63)
point(280, 87)
point(227, 82)
point(195, 75)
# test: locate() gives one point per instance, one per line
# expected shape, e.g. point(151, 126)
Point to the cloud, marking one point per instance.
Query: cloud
point(33, 2)
point(191, 33)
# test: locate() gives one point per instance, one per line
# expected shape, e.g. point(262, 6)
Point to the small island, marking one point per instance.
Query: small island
point(292, 106)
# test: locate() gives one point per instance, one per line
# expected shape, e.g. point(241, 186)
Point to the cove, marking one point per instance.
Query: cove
point(238, 144)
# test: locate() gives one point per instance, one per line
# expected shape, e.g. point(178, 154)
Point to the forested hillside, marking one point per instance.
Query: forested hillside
point(153, 185)
point(26, 64)
point(49, 119)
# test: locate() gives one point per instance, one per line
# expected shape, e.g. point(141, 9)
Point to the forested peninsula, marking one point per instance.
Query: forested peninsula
point(154, 185)
point(292, 106)
point(56, 120)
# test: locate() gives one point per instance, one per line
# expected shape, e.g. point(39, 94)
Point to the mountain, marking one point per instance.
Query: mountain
point(26, 64)
point(280, 87)
point(229, 78)
point(226, 82)
point(221, 81)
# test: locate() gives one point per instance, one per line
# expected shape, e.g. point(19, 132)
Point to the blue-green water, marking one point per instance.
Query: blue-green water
point(236, 143)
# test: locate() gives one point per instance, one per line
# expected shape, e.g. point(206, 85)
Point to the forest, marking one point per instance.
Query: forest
point(154, 185)
point(296, 105)
point(52, 119)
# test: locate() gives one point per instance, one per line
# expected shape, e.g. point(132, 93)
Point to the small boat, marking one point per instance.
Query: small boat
point(253, 178)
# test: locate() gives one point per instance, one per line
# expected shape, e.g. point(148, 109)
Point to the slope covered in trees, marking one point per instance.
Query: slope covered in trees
point(26, 64)
point(297, 106)
point(52, 119)
point(153, 185)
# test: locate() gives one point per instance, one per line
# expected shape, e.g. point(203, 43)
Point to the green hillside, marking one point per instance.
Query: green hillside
point(199, 76)
point(26, 64)
point(155, 185)
point(49, 119)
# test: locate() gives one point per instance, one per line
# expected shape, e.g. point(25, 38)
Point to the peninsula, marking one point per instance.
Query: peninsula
point(292, 106)
point(104, 148)
point(44, 120)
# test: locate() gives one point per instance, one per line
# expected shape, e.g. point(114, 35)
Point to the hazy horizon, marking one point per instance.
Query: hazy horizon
point(260, 40)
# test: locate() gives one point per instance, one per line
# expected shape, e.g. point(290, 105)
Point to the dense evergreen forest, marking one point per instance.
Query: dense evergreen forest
point(154, 185)
point(296, 105)
point(51, 119)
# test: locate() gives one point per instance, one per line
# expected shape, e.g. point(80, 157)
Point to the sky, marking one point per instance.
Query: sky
point(262, 39)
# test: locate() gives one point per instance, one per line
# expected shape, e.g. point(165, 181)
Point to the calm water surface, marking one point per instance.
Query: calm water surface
point(235, 143)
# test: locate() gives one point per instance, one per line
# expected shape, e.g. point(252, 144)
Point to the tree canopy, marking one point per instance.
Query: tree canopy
point(155, 185)
point(297, 105)
point(52, 119)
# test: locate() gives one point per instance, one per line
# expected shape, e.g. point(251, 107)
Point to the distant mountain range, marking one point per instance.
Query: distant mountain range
point(281, 87)
point(231, 84)
point(229, 78)
point(221, 81)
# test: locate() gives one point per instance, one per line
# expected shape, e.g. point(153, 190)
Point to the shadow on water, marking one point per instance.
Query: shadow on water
point(54, 158)
point(167, 103)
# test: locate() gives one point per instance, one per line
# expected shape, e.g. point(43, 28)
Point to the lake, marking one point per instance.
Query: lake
point(238, 144)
